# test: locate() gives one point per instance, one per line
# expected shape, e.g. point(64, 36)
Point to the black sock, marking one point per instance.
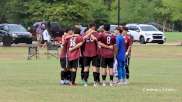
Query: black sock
point(66, 75)
point(95, 76)
point(104, 77)
point(86, 74)
point(98, 77)
point(73, 77)
point(69, 75)
point(62, 75)
point(111, 77)
point(82, 74)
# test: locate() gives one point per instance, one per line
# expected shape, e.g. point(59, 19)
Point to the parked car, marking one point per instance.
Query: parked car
point(113, 27)
point(14, 33)
point(145, 33)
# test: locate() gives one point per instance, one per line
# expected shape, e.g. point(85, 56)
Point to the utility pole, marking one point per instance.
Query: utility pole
point(118, 13)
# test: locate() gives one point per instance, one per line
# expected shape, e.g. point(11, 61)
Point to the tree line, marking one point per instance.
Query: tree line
point(167, 14)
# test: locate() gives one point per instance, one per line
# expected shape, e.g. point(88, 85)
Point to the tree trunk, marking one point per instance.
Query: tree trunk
point(164, 25)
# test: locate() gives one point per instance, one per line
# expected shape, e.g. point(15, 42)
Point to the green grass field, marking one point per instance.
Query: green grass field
point(173, 36)
point(155, 77)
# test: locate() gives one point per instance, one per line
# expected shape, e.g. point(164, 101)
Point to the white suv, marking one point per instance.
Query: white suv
point(145, 33)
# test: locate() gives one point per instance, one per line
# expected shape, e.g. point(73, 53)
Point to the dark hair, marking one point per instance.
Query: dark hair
point(85, 30)
point(125, 28)
point(119, 29)
point(76, 30)
point(68, 29)
point(106, 27)
point(92, 25)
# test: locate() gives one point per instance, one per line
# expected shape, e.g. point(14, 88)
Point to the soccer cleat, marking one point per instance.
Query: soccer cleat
point(103, 84)
point(66, 82)
point(120, 82)
point(85, 85)
point(61, 82)
point(95, 84)
point(125, 82)
point(111, 83)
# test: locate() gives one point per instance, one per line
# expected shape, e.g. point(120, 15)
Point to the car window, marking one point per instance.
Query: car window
point(148, 28)
point(16, 28)
point(134, 28)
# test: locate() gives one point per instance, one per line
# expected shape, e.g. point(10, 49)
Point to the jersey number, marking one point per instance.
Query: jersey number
point(108, 40)
point(72, 42)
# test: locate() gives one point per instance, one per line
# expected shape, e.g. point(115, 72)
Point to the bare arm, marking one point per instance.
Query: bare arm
point(128, 51)
point(88, 33)
point(93, 37)
point(105, 46)
point(76, 47)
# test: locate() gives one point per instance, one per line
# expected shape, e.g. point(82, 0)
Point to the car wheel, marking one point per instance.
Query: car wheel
point(7, 40)
point(161, 42)
point(142, 40)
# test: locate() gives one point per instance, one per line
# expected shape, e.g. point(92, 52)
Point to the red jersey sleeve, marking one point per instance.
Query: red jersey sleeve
point(79, 39)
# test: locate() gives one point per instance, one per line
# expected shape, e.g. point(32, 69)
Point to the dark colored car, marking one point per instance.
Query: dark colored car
point(14, 33)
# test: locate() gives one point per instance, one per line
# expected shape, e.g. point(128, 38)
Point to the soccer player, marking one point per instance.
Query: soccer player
point(128, 45)
point(81, 60)
point(65, 72)
point(107, 42)
point(120, 56)
point(73, 53)
point(90, 53)
point(98, 58)
point(63, 60)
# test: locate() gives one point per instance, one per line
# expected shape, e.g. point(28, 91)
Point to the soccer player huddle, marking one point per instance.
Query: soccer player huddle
point(104, 52)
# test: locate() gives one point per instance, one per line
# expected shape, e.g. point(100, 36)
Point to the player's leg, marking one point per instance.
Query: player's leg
point(110, 62)
point(104, 70)
point(127, 66)
point(81, 64)
point(73, 71)
point(95, 70)
point(87, 61)
point(69, 70)
point(63, 70)
point(121, 72)
point(98, 63)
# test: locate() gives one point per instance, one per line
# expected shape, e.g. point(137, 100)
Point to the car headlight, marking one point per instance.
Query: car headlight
point(14, 35)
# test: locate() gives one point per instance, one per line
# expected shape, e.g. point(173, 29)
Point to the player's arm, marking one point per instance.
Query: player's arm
point(105, 46)
point(129, 48)
point(76, 47)
point(88, 34)
point(93, 37)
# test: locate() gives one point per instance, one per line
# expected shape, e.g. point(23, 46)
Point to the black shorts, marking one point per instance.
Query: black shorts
point(107, 62)
point(63, 63)
point(88, 60)
point(98, 61)
point(73, 64)
point(81, 63)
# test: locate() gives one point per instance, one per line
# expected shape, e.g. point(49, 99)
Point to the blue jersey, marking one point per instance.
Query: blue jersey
point(120, 44)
